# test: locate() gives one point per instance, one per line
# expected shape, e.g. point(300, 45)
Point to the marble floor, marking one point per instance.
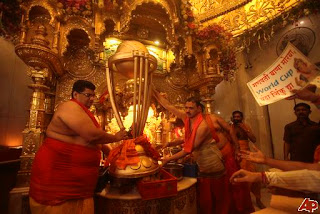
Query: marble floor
point(265, 198)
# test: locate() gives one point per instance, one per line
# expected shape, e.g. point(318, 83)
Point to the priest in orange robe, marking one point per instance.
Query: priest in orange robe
point(206, 137)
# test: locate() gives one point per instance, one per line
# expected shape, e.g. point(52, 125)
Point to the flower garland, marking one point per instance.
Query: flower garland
point(190, 26)
point(77, 7)
point(224, 41)
point(213, 33)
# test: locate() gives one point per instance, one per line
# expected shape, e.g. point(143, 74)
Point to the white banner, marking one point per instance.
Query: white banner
point(292, 70)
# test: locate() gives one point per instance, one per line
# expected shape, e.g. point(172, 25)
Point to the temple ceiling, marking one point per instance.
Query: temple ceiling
point(162, 16)
point(238, 16)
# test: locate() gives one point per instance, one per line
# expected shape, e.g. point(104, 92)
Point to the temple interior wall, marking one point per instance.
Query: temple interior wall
point(239, 96)
point(15, 95)
point(266, 122)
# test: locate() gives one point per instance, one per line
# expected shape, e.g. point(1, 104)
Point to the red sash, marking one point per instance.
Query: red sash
point(212, 129)
point(88, 113)
point(190, 135)
point(63, 171)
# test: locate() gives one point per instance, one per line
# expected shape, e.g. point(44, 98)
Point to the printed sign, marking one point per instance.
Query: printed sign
point(292, 70)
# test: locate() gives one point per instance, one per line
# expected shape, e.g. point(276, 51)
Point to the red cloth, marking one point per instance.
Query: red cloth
point(126, 154)
point(214, 195)
point(95, 122)
point(123, 155)
point(240, 192)
point(190, 135)
point(212, 129)
point(103, 97)
point(63, 171)
point(317, 155)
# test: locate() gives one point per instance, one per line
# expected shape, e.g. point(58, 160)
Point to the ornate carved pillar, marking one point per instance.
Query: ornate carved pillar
point(49, 107)
point(23, 31)
point(45, 65)
point(189, 45)
point(34, 132)
point(56, 37)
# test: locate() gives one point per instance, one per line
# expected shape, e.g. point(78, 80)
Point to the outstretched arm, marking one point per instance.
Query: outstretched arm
point(167, 105)
point(176, 156)
point(173, 143)
point(79, 122)
point(258, 157)
point(308, 94)
point(301, 180)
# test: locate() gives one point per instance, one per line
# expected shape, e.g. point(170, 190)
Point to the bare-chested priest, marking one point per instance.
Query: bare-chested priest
point(66, 167)
point(208, 138)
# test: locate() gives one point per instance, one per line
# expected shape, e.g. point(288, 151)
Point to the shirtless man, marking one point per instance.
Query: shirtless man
point(244, 134)
point(203, 135)
point(214, 188)
point(65, 168)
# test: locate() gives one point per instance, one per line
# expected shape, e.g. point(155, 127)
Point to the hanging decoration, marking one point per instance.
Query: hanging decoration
point(76, 7)
point(188, 19)
point(224, 41)
point(213, 33)
point(262, 33)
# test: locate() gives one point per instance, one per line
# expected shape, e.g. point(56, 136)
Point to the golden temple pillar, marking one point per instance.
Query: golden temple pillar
point(45, 65)
point(56, 37)
point(189, 44)
point(49, 107)
point(34, 132)
point(33, 135)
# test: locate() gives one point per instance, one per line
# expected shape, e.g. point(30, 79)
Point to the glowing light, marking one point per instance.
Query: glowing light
point(157, 42)
point(149, 130)
point(218, 112)
point(301, 22)
point(111, 42)
point(13, 141)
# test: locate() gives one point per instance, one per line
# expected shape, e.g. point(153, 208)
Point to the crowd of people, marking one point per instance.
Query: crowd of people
point(301, 167)
point(65, 168)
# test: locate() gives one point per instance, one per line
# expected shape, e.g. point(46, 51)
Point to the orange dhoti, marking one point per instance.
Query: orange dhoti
point(62, 172)
point(214, 195)
point(240, 192)
point(247, 165)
